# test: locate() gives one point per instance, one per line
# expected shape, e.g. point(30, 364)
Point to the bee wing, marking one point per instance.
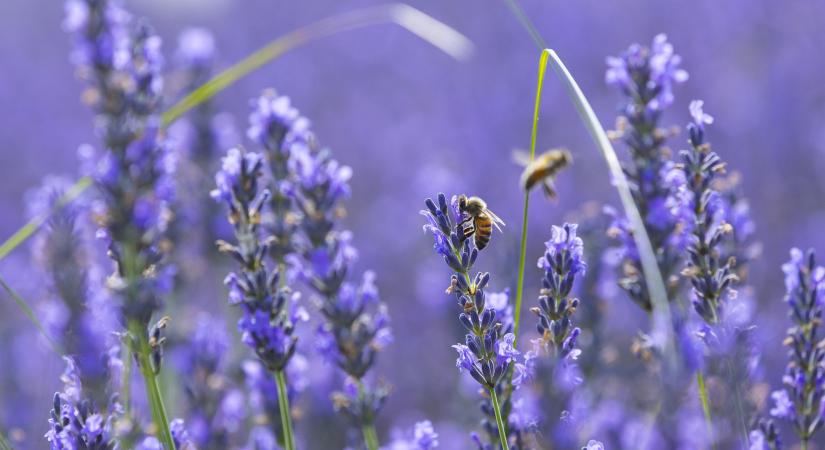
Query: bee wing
point(497, 222)
point(549, 188)
point(521, 157)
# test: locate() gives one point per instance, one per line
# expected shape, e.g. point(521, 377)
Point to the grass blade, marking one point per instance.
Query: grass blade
point(4, 443)
point(416, 22)
point(31, 316)
point(523, 244)
point(662, 327)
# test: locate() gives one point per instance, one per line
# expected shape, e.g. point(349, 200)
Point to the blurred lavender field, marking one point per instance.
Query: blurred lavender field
point(412, 122)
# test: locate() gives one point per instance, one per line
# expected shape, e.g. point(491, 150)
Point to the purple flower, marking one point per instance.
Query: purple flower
point(700, 118)
point(646, 77)
point(505, 352)
point(196, 47)
point(424, 435)
point(802, 401)
point(783, 407)
point(593, 445)
point(466, 359)
point(562, 263)
point(711, 278)
point(275, 124)
point(268, 310)
point(75, 424)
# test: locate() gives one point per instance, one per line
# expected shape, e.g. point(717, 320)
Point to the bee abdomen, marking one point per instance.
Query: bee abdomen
point(483, 231)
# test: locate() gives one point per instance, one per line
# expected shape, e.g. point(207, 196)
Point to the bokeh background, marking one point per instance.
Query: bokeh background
point(412, 122)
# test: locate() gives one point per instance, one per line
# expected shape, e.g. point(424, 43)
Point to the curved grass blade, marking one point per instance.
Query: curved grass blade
point(662, 328)
point(55, 347)
point(416, 22)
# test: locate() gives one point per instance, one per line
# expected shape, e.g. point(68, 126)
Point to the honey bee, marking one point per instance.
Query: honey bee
point(543, 169)
point(482, 220)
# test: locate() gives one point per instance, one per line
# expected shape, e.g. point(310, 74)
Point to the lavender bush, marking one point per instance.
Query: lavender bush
point(117, 327)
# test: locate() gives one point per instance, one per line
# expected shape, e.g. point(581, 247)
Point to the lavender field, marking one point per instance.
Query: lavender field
point(501, 225)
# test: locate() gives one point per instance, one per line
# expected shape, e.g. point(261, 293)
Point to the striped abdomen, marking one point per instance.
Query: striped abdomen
point(483, 227)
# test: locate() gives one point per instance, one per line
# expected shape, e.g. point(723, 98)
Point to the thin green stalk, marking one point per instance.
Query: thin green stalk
point(523, 246)
point(370, 436)
point(703, 396)
point(4, 443)
point(368, 429)
point(150, 378)
point(502, 430)
point(286, 415)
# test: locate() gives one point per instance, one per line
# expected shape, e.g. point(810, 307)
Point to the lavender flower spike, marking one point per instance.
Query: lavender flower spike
point(75, 422)
point(356, 323)
point(487, 353)
point(133, 176)
point(562, 262)
point(711, 278)
point(802, 401)
point(646, 77)
point(268, 319)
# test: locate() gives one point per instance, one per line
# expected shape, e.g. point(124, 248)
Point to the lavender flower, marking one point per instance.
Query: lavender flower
point(268, 319)
point(133, 175)
point(75, 422)
point(646, 77)
point(765, 436)
point(278, 128)
point(64, 253)
point(356, 323)
point(562, 262)
point(711, 278)
point(487, 353)
point(593, 445)
point(196, 49)
point(802, 401)
point(211, 413)
point(423, 437)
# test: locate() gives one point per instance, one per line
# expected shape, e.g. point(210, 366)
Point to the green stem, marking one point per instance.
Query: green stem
point(150, 378)
point(502, 430)
point(523, 246)
point(370, 436)
point(368, 429)
point(286, 416)
point(703, 396)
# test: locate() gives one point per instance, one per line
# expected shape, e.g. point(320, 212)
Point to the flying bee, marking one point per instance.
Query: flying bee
point(543, 169)
point(482, 220)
